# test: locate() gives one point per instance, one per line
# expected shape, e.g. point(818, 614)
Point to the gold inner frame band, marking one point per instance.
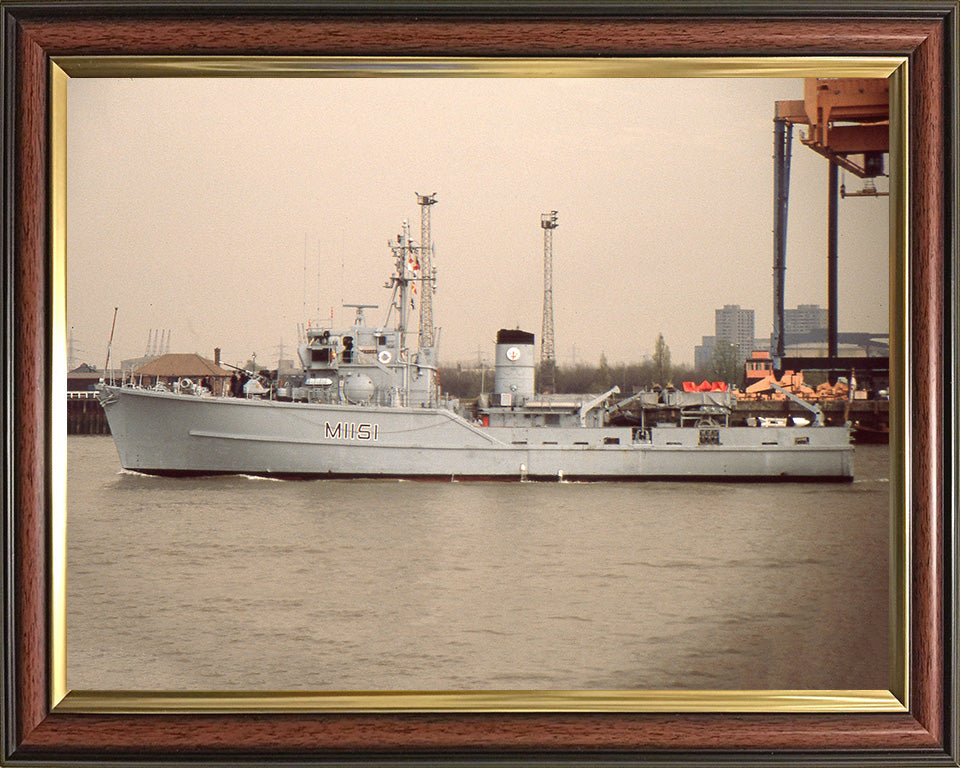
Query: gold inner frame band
point(62, 68)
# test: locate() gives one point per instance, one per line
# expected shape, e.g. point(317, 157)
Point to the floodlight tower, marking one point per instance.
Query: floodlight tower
point(426, 271)
point(548, 360)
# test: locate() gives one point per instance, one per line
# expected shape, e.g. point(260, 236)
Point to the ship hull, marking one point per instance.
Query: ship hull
point(171, 434)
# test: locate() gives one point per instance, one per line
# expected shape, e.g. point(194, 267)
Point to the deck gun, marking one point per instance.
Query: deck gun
point(250, 374)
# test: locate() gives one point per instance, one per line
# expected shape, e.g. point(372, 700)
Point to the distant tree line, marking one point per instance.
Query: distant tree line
point(657, 371)
point(725, 363)
point(630, 377)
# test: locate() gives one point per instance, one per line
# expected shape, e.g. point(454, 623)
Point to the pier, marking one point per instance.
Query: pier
point(84, 415)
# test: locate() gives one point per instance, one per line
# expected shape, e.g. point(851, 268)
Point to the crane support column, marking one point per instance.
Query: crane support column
point(848, 123)
point(782, 140)
point(832, 251)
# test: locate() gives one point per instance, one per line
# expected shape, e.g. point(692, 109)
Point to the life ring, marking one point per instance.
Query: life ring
point(185, 384)
point(384, 356)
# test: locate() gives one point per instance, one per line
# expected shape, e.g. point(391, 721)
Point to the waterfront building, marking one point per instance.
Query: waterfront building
point(84, 378)
point(735, 326)
point(133, 363)
point(815, 344)
point(805, 318)
point(169, 368)
point(732, 325)
point(759, 365)
point(703, 352)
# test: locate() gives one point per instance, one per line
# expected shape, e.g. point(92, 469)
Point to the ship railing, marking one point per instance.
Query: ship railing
point(318, 324)
point(391, 397)
point(320, 395)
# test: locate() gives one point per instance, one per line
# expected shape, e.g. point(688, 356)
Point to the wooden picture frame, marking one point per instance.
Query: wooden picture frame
point(34, 34)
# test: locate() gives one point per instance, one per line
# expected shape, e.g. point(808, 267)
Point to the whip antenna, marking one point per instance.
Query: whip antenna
point(106, 365)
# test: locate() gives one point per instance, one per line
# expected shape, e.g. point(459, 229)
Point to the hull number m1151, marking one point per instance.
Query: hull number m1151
point(349, 430)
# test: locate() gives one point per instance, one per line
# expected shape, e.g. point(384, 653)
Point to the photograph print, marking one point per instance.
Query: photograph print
point(478, 384)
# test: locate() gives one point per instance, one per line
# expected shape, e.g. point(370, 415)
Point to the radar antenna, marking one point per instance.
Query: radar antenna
point(358, 318)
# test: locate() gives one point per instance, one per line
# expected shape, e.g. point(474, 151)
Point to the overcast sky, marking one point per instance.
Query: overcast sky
point(230, 210)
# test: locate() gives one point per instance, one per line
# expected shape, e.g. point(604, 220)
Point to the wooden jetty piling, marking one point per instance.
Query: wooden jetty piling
point(85, 416)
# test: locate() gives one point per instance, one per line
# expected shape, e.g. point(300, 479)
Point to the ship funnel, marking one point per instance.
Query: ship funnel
point(513, 382)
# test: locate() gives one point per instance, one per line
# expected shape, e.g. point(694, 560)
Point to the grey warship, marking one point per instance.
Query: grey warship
point(368, 405)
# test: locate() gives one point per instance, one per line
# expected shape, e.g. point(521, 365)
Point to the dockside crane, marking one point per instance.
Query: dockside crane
point(848, 121)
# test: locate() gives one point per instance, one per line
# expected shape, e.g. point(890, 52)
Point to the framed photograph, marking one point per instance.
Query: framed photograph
point(110, 113)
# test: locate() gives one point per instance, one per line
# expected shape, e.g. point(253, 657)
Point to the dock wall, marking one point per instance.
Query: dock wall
point(873, 413)
point(85, 416)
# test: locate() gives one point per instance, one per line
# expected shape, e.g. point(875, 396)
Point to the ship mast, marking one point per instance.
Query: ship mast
point(406, 264)
point(407, 271)
point(413, 266)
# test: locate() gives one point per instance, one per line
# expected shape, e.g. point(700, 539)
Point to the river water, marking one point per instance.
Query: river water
point(239, 583)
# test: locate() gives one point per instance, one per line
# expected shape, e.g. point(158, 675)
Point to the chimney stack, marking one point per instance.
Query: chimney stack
point(216, 355)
